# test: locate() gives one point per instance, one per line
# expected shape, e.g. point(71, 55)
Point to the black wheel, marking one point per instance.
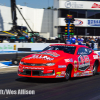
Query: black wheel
point(95, 68)
point(68, 74)
point(15, 62)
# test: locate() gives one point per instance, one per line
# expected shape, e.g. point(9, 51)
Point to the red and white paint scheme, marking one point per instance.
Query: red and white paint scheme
point(60, 61)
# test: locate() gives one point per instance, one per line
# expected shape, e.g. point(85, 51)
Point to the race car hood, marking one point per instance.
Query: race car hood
point(45, 56)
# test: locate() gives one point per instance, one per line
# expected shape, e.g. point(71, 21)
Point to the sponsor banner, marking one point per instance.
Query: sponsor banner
point(82, 22)
point(78, 22)
point(93, 22)
point(15, 46)
point(8, 47)
point(79, 5)
point(87, 22)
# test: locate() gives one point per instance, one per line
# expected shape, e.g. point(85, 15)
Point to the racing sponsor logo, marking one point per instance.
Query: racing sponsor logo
point(75, 69)
point(87, 73)
point(60, 74)
point(75, 62)
point(54, 54)
point(75, 75)
point(61, 66)
point(95, 5)
point(78, 74)
point(95, 56)
point(68, 60)
point(84, 62)
point(69, 4)
point(75, 66)
point(40, 57)
point(78, 22)
point(39, 68)
point(95, 22)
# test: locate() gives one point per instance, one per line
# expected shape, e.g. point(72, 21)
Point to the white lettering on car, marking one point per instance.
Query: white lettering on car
point(95, 56)
point(40, 57)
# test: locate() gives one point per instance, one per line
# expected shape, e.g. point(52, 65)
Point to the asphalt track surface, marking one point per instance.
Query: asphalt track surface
point(86, 88)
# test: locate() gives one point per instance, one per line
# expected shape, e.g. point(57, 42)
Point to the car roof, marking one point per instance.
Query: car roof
point(68, 45)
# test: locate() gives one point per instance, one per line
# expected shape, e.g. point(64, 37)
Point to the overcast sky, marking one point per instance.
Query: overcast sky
point(30, 3)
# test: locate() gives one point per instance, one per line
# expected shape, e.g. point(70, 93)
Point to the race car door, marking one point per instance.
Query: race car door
point(84, 58)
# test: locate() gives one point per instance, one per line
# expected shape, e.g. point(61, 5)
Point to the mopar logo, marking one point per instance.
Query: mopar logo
point(68, 4)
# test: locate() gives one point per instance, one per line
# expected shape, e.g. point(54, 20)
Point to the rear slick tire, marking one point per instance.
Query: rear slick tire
point(68, 74)
point(95, 68)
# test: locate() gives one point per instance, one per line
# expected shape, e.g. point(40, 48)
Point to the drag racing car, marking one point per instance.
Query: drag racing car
point(60, 61)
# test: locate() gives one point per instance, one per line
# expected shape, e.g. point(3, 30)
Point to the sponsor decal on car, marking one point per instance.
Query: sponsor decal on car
point(54, 54)
point(61, 66)
point(68, 60)
point(75, 66)
point(33, 68)
point(75, 75)
point(86, 73)
point(75, 69)
point(84, 62)
point(78, 74)
point(60, 74)
point(40, 57)
point(95, 56)
point(75, 62)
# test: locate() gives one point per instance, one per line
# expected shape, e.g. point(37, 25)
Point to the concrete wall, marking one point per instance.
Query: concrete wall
point(40, 20)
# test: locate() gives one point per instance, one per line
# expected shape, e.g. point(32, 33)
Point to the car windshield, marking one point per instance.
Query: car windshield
point(66, 49)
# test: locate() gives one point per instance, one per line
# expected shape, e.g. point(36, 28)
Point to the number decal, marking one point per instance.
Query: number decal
point(84, 62)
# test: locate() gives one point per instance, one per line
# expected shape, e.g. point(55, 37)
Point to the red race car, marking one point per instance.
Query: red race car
point(60, 61)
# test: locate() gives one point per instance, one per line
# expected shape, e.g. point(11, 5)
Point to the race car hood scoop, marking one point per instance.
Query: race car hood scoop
point(45, 56)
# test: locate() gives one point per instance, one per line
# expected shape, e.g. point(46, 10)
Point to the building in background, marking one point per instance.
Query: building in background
point(51, 21)
point(85, 12)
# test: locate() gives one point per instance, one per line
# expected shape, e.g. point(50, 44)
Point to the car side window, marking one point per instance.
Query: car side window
point(89, 51)
point(83, 51)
